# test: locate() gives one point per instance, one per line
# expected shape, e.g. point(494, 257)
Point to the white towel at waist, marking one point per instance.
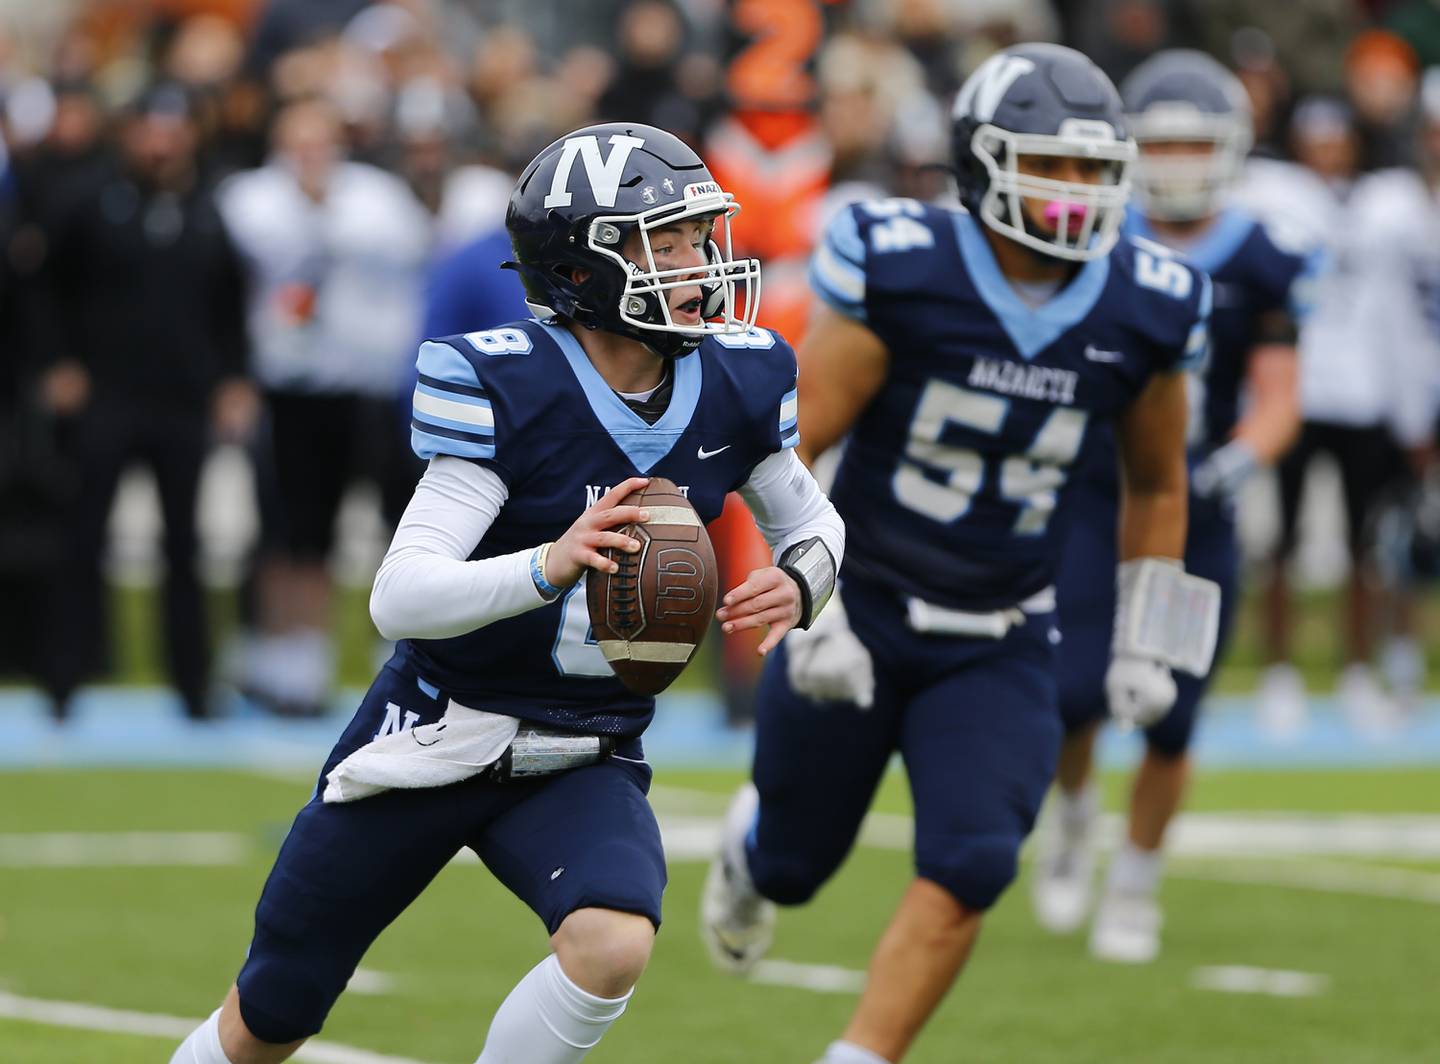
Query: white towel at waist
point(457, 746)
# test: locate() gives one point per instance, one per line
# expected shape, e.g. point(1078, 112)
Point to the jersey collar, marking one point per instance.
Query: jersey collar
point(1214, 247)
point(644, 444)
point(1031, 329)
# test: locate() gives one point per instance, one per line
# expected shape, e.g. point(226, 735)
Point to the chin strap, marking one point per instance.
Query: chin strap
point(812, 567)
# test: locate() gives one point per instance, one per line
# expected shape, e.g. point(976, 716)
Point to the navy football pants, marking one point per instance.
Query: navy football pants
point(975, 721)
point(580, 839)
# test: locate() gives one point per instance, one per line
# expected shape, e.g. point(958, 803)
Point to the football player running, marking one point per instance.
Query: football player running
point(1191, 119)
point(967, 355)
point(643, 360)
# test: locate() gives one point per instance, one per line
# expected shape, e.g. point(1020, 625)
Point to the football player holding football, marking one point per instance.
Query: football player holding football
point(968, 354)
point(499, 725)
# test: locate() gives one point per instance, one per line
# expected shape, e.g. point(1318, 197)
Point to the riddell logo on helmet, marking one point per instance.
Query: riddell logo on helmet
point(701, 188)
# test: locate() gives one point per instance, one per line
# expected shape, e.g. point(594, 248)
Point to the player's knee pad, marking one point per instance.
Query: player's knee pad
point(290, 1007)
point(292, 978)
point(790, 878)
point(976, 870)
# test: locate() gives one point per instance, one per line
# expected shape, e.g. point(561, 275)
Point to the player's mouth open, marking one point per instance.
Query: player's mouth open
point(688, 312)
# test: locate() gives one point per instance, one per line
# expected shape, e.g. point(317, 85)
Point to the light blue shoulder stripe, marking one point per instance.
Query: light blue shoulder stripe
point(789, 410)
point(644, 444)
point(441, 361)
point(458, 425)
point(1031, 329)
point(1216, 246)
point(843, 234)
point(1197, 344)
point(837, 268)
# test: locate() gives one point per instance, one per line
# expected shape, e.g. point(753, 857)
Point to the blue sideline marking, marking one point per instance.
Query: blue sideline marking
point(130, 726)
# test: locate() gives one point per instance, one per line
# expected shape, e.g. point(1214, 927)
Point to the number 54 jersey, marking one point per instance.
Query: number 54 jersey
point(952, 474)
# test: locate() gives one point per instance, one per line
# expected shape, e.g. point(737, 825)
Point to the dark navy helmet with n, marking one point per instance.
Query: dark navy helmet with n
point(1182, 97)
point(579, 202)
point(1042, 99)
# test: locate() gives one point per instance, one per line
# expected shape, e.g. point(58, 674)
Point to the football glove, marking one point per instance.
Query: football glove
point(828, 663)
point(1140, 690)
point(1222, 472)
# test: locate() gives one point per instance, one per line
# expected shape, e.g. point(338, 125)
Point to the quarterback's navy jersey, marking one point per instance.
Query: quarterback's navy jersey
point(525, 401)
point(951, 474)
point(1252, 275)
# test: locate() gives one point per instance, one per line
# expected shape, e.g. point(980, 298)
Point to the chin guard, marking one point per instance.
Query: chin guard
point(811, 566)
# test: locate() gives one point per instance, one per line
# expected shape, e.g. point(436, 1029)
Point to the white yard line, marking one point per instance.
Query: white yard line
point(1239, 979)
point(1328, 877)
point(373, 983)
point(691, 837)
point(821, 978)
point(93, 849)
point(157, 1025)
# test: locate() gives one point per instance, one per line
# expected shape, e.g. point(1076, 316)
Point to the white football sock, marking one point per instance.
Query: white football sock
point(1078, 809)
point(203, 1045)
point(547, 1019)
point(1134, 871)
point(849, 1053)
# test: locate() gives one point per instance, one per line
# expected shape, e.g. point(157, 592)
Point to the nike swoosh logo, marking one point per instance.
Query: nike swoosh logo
point(702, 453)
point(1095, 354)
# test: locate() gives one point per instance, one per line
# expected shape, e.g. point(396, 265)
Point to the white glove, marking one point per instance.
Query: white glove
point(1140, 689)
point(1221, 473)
point(827, 662)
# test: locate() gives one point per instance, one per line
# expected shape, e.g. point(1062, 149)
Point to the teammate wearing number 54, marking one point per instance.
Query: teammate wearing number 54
point(966, 355)
point(499, 725)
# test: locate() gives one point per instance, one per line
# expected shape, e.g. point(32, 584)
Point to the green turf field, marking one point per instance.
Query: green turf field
point(166, 941)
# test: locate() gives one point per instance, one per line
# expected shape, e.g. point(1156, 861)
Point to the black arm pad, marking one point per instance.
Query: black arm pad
point(812, 567)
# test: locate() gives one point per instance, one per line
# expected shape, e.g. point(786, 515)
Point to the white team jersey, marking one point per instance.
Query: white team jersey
point(1339, 382)
point(1373, 344)
point(337, 287)
point(1370, 348)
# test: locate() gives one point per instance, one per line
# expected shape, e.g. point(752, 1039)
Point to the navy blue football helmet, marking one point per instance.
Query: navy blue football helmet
point(576, 205)
point(1042, 99)
point(1182, 96)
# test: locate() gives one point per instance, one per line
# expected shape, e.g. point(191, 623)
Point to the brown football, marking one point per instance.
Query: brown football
point(650, 617)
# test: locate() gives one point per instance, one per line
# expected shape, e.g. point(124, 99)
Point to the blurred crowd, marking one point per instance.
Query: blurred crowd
point(232, 220)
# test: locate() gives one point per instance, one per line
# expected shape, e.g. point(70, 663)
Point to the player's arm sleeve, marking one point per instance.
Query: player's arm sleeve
point(426, 589)
point(789, 506)
point(452, 412)
point(837, 269)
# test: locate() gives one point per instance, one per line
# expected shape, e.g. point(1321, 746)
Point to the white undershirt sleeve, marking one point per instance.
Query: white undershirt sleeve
point(789, 506)
point(426, 589)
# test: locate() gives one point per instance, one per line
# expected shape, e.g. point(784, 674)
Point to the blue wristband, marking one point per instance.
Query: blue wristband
point(537, 573)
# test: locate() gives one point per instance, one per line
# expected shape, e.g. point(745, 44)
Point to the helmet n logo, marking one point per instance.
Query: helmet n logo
point(603, 174)
point(982, 93)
